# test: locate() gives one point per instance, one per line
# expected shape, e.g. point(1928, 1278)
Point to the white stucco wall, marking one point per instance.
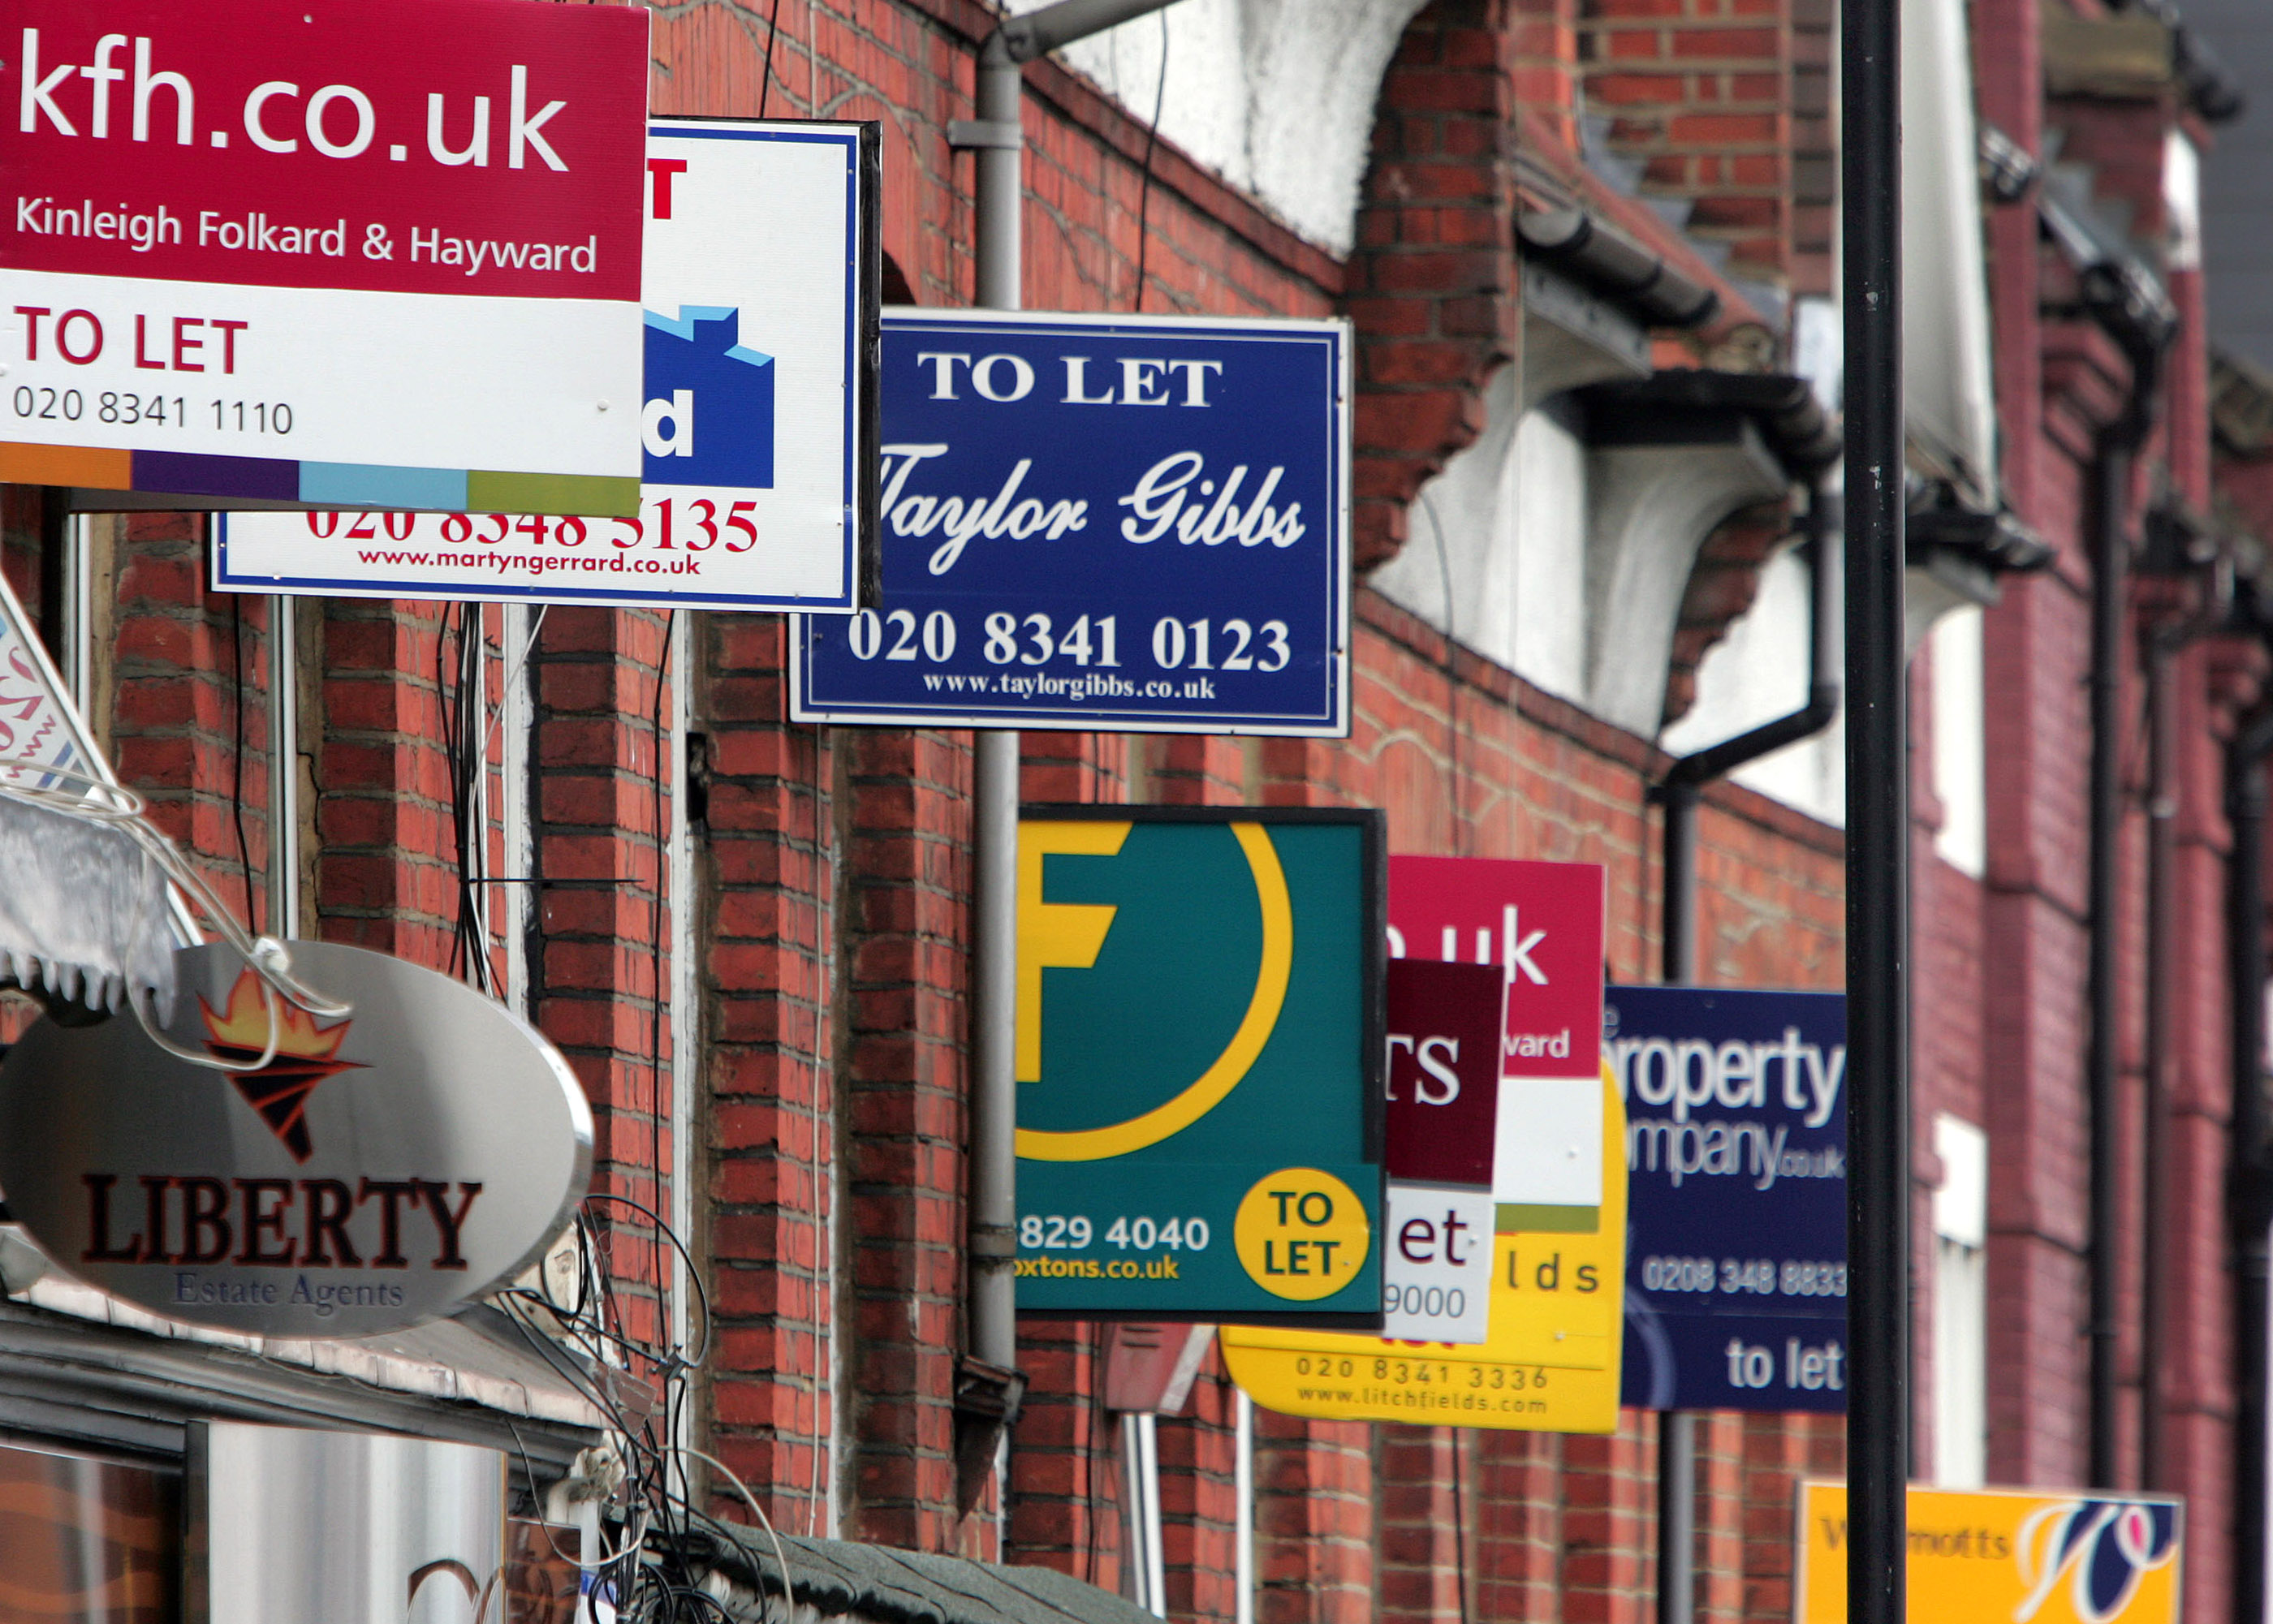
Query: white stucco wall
point(1550, 499)
point(1511, 513)
point(1757, 673)
point(1276, 96)
point(1950, 395)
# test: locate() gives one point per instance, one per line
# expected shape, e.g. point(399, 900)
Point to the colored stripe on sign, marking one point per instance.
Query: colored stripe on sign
point(188, 474)
point(358, 485)
point(316, 484)
point(67, 465)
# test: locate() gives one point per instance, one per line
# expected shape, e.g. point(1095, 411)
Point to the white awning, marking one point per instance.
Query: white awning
point(86, 911)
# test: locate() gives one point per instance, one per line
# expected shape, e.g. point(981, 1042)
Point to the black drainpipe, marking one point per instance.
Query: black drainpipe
point(2180, 544)
point(1685, 780)
point(1679, 791)
point(2138, 316)
point(2250, 1182)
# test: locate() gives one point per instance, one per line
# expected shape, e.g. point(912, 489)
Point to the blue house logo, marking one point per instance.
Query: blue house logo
point(709, 413)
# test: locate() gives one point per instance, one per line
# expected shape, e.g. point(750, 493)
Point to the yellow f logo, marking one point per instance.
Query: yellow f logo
point(1055, 935)
point(1070, 935)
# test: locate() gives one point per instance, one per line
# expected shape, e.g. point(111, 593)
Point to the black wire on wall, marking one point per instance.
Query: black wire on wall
point(1144, 191)
point(458, 691)
point(660, 744)
point(236, 756)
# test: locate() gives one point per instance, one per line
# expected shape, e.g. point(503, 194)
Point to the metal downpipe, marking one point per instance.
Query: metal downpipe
point(2133, 310)
point(2155, 1153)
point(992, 1308)
point(2108, 573)
point(991, 1303)
point(1686, 778)
point(2250, 1179)
point(1680, 791)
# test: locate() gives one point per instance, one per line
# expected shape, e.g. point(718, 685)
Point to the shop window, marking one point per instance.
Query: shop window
point(83, 1538)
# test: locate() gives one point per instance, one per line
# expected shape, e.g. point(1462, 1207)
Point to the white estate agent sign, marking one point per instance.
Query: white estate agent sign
point(348, 1178)
point(309, 251)
point(757, 425)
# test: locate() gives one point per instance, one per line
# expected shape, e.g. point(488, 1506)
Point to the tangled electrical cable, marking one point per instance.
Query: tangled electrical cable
point(658, 1544)
point(662, 1544)
point(465, 739)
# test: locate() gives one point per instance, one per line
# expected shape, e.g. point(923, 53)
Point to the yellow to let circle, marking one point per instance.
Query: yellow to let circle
point(1301, 1234)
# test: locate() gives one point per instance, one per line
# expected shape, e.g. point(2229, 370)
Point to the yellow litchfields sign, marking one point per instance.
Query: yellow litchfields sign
point(1550, 1363)
point(2007, 1556)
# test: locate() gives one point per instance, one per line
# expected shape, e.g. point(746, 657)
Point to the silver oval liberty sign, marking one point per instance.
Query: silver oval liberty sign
point(378, 1171)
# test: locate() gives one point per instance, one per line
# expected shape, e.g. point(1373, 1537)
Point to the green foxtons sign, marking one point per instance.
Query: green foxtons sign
point(1198, 1052)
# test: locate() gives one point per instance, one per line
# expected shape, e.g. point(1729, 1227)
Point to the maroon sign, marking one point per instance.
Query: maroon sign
point(1444, 1076)
point(1539, 923)
point(460, 146)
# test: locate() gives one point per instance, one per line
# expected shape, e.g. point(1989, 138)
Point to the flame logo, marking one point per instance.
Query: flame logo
point(2105, 1547)
point(305, 1055)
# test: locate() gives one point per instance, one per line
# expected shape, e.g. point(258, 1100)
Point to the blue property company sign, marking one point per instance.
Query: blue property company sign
point(1122, 523)
point(1737, 1216)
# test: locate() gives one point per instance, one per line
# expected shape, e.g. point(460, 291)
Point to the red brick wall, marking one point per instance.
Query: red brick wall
point(1433, 283)
point(770, 838)
point(833, 867)
point(1701, 93)
point(175, 720)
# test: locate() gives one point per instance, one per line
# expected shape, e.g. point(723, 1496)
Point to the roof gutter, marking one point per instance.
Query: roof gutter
point(1612, 264)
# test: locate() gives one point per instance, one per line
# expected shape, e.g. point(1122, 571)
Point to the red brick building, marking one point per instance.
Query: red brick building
point(1546, 220)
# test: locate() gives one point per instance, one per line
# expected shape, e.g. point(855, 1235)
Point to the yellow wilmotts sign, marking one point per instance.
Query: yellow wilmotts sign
point(1550, 1366)
point(2008, 1556)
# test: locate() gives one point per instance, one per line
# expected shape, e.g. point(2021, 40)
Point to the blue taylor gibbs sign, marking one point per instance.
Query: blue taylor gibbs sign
point(1117, 523)
point(1737, 1208)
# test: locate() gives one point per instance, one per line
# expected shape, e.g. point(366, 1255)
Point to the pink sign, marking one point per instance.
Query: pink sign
point(317, 144)
point(1539, 923)
point(374, 255)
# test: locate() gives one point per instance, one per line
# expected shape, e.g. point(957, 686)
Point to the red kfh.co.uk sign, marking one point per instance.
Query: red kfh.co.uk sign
point(378, 255)
point(1541, 924)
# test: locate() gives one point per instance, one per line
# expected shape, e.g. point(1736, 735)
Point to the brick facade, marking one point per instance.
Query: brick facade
point(831, 868)
point(1432, 288)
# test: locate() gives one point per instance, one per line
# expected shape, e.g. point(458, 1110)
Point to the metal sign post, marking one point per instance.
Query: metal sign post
point(999, 139)
point(1878, 816)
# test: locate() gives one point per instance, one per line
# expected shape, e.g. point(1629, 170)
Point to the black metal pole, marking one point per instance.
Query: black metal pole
point(55, 574)
point(1683, 786)
point(2154, 1148)
point(1878, 817)
point(2102, 1059)
point(2250, 1190)
point(1679, 924)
